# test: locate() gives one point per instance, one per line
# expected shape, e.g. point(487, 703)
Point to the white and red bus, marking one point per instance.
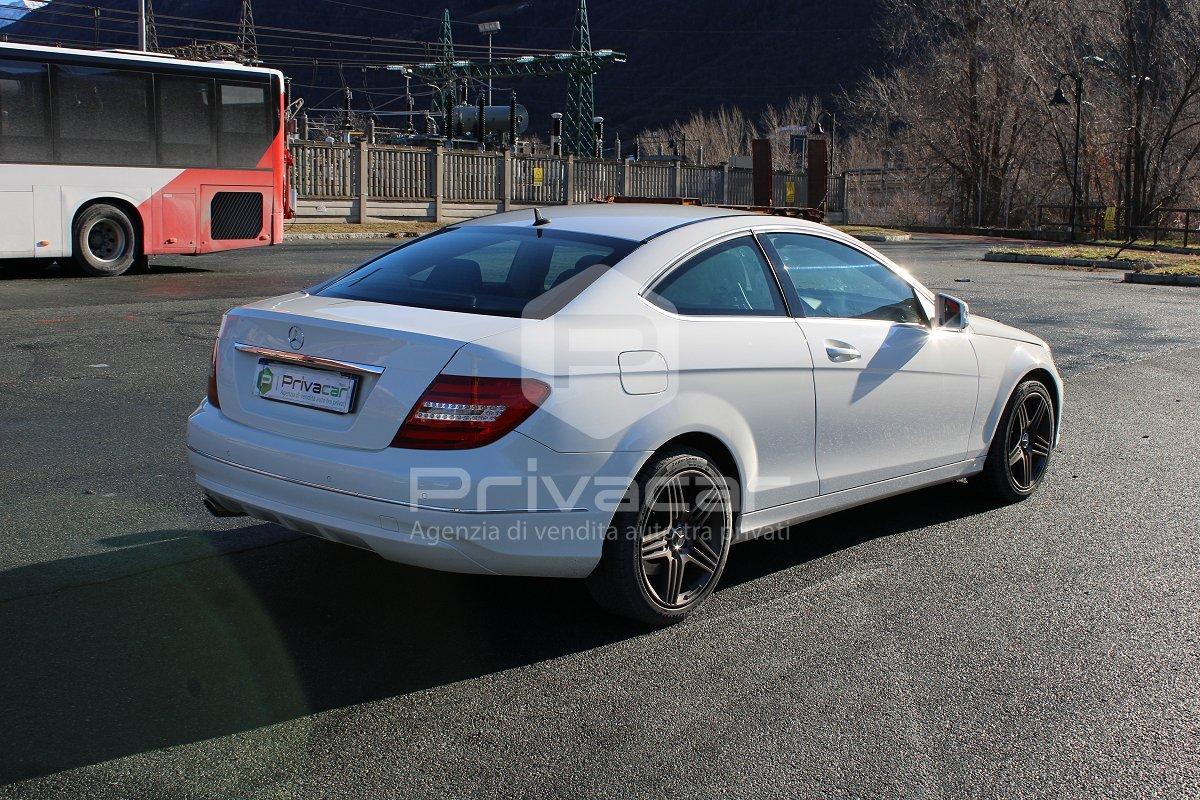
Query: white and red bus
point(108, 157)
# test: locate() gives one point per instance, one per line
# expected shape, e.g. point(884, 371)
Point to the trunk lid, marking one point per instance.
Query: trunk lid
point(410, 346)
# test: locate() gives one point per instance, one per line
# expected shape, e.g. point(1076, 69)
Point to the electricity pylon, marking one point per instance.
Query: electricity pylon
point(247, 41)
point(443, 97)
point(581, 98)
point(444, 72)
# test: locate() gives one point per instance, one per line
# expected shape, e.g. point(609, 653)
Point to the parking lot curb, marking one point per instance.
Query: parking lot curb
point(883, 237)
point(318, 237)
point(1162, 280)
point(1020, 258)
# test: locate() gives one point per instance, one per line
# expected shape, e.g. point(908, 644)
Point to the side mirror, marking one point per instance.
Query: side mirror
point(952, 313)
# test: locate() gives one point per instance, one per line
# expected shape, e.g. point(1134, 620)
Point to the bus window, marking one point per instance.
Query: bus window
point(185, 133)
point(246, 128)
point(24, 134)
point(103, 116)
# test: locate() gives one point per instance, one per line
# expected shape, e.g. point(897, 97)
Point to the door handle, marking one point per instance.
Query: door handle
point(840, 352)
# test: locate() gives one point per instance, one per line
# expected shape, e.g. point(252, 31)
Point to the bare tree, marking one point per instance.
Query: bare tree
point(721, 134)
point(780, 123)
point(1146, 93)
point(959, 104)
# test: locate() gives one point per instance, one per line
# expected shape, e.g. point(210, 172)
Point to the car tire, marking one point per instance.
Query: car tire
point(1021, 446)
point(663, 557)
point(104, 241)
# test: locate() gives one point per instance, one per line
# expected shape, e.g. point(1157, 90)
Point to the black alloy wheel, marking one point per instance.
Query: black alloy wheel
point(669, 543)
point(1022, 445)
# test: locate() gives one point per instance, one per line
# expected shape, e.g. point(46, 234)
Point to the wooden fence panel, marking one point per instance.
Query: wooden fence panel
point(596, 179)
point(538, 179)
point(651, 180)
point(741, 186)
point(400, 173)
point(324, 171)
point(472, 176)
point(705, 183)
point(331, 171)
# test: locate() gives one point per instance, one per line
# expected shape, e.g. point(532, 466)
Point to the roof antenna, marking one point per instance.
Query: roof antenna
point(538, 219)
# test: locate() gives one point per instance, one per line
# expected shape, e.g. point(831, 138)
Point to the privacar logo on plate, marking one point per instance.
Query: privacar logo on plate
point(266, 379)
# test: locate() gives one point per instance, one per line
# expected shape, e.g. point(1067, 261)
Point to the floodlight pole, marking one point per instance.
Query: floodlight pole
point(489, 29)
point(143, 42)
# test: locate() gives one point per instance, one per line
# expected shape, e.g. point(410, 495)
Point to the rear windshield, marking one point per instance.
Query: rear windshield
point(497, 270)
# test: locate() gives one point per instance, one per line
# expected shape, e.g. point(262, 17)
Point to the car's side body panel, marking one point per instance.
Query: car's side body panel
point(904, 405)
point(1003, 364)
point(747, 382)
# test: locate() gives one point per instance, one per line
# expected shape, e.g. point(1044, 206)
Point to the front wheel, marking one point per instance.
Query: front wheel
point(104, 241)
point(668, 545)
point(1021, 446)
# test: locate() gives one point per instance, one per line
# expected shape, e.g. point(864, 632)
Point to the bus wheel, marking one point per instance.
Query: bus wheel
point(104, 241)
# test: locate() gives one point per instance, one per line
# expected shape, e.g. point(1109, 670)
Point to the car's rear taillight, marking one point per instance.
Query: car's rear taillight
point(462, 411)
point(212, 378)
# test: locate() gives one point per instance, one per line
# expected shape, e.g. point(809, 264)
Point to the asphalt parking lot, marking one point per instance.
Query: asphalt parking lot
point(920, 646)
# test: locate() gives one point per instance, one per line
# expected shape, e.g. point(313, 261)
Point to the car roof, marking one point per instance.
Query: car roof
point(633, 221)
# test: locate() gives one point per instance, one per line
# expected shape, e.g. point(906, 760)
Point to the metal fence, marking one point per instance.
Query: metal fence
point(1171, 226)
point(876, 196)
point(381, 172)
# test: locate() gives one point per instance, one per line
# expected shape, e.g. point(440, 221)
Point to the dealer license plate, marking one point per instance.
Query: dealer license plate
point(301, 386)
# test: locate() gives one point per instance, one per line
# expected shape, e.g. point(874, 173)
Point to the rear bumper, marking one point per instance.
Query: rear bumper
point(477, 523)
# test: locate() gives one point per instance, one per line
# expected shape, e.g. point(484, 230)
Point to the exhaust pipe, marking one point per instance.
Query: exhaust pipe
point(217, 510)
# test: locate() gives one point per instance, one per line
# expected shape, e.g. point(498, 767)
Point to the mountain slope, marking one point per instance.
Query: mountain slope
point(683, 56)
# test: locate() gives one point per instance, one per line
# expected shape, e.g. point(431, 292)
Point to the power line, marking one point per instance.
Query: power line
point(413, 46)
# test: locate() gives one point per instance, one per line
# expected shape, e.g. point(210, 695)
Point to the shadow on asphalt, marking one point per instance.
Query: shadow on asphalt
point(229, 643)
point(57, 271)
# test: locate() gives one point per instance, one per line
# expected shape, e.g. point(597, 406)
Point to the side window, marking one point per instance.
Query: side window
point(730, 279)
point(569, 260)
point(24, 132)
point(833, 280)
point(246, 127)
point(185, 113)
point(103, 116)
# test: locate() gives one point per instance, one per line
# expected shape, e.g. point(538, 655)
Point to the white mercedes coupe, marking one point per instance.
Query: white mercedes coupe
point(616, 392)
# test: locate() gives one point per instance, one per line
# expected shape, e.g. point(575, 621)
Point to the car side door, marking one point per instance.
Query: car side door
point(894, 396)
point(742, 366)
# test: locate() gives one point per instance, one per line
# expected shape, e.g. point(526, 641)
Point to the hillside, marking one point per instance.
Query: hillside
point(682, 55)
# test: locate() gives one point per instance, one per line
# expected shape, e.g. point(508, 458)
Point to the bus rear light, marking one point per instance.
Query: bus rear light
point(458, 412)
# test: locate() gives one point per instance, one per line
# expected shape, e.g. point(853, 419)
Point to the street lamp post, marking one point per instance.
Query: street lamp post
point(819, 129)
point(489, 29)
point(1060, 99)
